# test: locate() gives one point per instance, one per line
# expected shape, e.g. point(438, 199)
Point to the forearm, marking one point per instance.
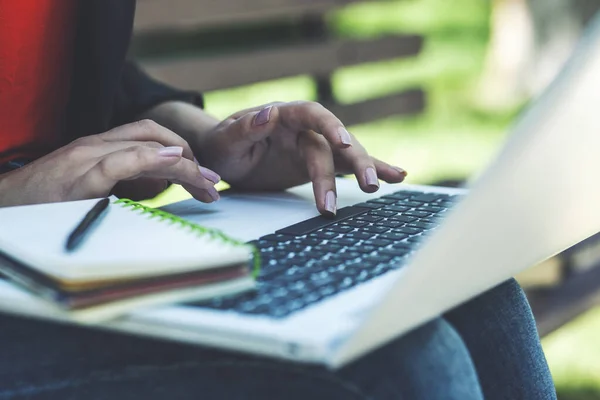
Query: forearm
point(188, 121)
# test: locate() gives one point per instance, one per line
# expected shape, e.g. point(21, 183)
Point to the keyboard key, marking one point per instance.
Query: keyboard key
point(377, 258)
point(403, 218)
point(391, 223)
point(396, 208)
point(262, 244)
point(369, 218)
point(381, 269)
point(396, 236)
point(431, 209)
point(371, 206)
point(276, 238)
point(359, 236)
point(346, 283)
point(328, 247)
point(377, 242)
point(364, 249)
point(363, 276)
point(383, 213)
point(411, 204)
point(375, 229)
point(309, 241)
point(327, 290)
point(340, 228)
point(415, 239)
point(398, 196)
point(422, 225)
point(408, 230)
point(427, 197)
point(356, 223)
point(317, 223)
point(275, 252)
point(343, 241)
point(346, 255)
point(446, 204)
point(418, 214)
point(271, 272)
point(325, 264)
point(325, 235)
point(394, 252)
point(312, 297)
point(382, 200)
point(321, 278)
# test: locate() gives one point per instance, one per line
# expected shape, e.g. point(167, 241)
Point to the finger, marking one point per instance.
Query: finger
point(110, 147)
point(362, 165)
point(198, 181)
point(255, 110)
point(389, 173)
point(321, 170)
point(244, 133)
point(125, 164)
point(304, 116)
point(133, 162)
point(147, 131)
point(120, 145)
point(295, 117)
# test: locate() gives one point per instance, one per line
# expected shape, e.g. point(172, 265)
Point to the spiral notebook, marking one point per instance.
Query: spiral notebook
point(135, 257)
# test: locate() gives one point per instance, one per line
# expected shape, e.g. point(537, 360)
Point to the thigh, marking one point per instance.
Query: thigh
point(499, 330)
point(43, 360)
point(429, 363)
point(50, 361)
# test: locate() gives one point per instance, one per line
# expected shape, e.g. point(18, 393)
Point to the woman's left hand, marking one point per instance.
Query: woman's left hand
point(281, 145)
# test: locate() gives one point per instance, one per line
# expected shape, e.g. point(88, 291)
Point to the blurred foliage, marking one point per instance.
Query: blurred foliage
point(452, 139)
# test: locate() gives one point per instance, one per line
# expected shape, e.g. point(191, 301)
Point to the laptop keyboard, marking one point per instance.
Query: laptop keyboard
point(318, 258)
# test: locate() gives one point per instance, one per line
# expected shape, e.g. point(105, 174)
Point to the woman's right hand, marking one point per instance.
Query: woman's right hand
point(91, 166)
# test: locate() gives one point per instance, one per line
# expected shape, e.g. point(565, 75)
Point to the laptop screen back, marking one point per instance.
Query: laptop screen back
point(538, 197)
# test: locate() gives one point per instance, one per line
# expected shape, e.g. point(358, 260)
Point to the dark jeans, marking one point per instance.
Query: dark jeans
point(487, 348)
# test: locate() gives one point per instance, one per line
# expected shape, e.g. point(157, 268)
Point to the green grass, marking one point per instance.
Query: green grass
point(573, 353)
point(452, 139)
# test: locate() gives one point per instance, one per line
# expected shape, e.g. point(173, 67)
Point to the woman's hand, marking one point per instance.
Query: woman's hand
point(141, 158)
point(281, 145)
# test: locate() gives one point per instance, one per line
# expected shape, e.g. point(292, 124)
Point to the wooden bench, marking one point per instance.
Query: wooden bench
point(211, 45)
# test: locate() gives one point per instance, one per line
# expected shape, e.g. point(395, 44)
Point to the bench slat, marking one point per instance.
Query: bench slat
point(557, 306)
point(405, 103)
point(180, 14)
point(230, 70)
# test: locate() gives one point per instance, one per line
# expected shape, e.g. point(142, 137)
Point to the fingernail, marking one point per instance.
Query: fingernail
point(210, 175)
point(263, 116)
point(371, 177)
point(173, 151)
point(196, 161)
point(345, 136)
point(330, 202)
point(402, 171)
point(213, 193)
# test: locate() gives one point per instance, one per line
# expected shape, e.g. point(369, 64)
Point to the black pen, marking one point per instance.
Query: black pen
point(80, 232)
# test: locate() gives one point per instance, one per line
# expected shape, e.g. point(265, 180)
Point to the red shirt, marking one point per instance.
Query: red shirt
point(36, 48)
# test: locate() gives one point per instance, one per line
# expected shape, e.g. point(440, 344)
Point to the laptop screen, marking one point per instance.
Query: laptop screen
point(538, 197)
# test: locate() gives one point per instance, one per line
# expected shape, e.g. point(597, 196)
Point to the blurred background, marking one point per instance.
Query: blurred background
point(433, 86)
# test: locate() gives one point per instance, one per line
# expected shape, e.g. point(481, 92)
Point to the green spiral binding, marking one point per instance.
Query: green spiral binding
point(198, 229)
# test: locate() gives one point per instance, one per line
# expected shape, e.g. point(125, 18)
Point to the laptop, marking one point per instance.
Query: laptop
point(330, 291)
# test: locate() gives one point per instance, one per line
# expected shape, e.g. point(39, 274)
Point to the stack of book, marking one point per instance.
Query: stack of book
point(131, 257)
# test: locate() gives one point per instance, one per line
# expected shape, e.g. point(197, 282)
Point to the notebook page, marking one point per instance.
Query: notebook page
point(125, 243)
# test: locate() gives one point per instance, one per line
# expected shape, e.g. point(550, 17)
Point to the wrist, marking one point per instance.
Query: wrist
point(188, 121)
point(7, 193)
